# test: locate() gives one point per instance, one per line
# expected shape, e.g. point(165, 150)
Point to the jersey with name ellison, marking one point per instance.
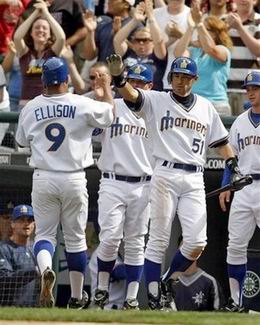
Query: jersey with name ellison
point(181, 134)
point(125, 145)
point(245, 139)
point(58, 129)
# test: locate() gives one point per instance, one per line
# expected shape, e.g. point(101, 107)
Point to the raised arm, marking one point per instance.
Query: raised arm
point(90, 48)
point(21, 31)
point(76, 79)
point(57, 30)
point(116, 68)
point(120, 38)
point(159, 43)
point(181, 46)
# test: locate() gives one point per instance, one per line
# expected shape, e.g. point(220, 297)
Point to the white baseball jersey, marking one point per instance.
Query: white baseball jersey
point(245, 139)
point(181, 134)
point(125, 144)
point(58, 129)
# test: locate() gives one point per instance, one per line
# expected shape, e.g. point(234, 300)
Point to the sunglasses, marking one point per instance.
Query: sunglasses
point(144, 40)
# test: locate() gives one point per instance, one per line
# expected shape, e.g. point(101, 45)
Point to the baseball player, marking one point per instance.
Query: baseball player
point(182, 126)
point(57, 126)
point(123, 195)
point(245, 208)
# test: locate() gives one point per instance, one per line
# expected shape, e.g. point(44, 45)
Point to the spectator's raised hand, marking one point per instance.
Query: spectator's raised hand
point(90, 20)
point(149, 9)
point(139, 12)
point(41, 5)
point(233, 20)
point(67, 54)
point(117, 23)
point(172, 30)
point(15, 3)
point(196, 13)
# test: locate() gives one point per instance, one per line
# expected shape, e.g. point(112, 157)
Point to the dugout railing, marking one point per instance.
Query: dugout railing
point(15, 187)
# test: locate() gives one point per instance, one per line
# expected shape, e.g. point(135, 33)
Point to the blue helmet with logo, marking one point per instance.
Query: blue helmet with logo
point(141, 72)
point(252, 79)
point(183, 65)
point(54, 71)
point(22, 210)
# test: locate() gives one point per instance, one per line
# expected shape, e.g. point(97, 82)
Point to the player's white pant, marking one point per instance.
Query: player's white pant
point(59, 197)
point(123, 214)
point(175, 190)
point(243, 218)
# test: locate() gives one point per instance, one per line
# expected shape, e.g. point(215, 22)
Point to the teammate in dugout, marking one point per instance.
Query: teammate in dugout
point(125, 162)
point(245, 208)
point(58, 126)
point(182, 126)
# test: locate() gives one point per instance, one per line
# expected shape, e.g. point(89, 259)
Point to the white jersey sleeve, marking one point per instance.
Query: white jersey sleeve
point(181, 134)
point(126, 148)
point(245, 139)
point(58, 130)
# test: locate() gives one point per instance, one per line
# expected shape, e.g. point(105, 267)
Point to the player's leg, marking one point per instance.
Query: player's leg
point(164, 199)
point(47, 216)
point(135, 229)
point(193, 218)
point(241, 228)
point(111, 218)
point(74, 215)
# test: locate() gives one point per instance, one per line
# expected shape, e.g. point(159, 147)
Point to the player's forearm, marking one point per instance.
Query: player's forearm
point(128, 93)
point(90, 48)
point(226, 151)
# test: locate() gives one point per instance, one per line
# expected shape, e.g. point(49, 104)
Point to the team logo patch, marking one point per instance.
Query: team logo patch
point(23, 210)
point(249, 77)
point(251, 286)
point(138, 70)
point(184, 64)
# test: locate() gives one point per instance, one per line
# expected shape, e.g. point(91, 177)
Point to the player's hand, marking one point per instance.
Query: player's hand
point(115, 64)
point(224, 198)
point(102, 85)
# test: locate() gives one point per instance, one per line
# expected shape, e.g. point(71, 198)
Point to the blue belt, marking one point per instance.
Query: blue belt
point(187, 167)
point(129, 179)
point(256, 177)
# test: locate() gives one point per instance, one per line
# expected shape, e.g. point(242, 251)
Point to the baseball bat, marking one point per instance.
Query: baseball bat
point(233, 186)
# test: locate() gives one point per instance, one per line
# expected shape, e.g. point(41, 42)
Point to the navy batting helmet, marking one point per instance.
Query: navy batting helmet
point(183, 65)
point(54, 71)
point(252, 79)
point(141, 72)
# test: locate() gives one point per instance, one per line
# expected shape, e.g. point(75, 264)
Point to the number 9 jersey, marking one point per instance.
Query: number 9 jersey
point(59, 128)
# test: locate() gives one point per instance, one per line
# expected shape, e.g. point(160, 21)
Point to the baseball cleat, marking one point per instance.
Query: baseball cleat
point(75, 303)
point(232, 307)
point(101, 298)
point(154, 303)
point(131, 304)
point(47, 284)
point(167, 300)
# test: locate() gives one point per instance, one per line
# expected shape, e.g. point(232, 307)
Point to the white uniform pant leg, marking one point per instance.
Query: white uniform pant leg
point(111, 217)
point(243, 218)
point(164, 199)
point(193, 215)
point(136, 223)
point(46, 206)
point(74, 212)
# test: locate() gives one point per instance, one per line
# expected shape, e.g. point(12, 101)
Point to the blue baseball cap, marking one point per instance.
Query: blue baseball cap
point(252, 79)
point(141, 72)
point(22, 210)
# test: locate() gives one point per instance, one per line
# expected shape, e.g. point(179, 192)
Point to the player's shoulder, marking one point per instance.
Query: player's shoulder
point(244, 116)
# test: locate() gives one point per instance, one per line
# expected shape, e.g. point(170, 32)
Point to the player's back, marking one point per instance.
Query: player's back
point(58, 129)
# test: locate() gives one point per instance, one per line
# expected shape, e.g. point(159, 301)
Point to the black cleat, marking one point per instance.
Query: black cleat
point(232, 307)
point(131, 304)
point(75, 303)
point(101, 298)
point(154, 303)
point(167, 299)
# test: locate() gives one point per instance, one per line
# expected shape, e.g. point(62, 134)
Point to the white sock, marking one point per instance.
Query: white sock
point(76, 284)
point(44, 260)
point(153, 288)
point(132, 290)
point(234, 290)
point(103, 280)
